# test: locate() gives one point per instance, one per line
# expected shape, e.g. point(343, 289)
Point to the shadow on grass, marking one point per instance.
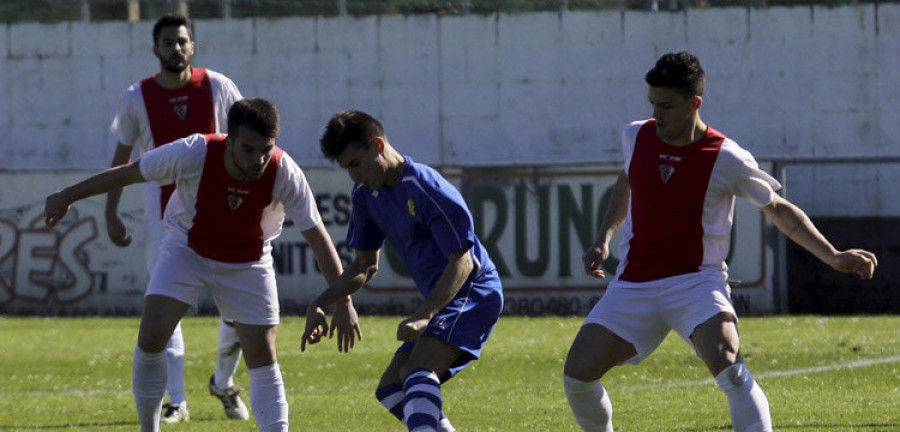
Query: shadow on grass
point(863, 427)
point(68, 426)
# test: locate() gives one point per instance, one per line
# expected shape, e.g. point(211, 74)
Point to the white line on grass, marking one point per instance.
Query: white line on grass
point(774, 374)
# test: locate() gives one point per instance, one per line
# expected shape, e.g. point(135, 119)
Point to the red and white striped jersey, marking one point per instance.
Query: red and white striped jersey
point(682, 202)
point(150, 115)
point(221, 218)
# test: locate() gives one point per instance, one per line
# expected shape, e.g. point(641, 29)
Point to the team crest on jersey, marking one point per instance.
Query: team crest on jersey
point(180, 111)
point(234, 201)
point(665, 172)
point(411, 207)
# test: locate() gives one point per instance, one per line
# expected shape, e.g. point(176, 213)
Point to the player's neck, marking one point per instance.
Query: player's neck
point(395, 172)
point(692, 135)
point(173, 80)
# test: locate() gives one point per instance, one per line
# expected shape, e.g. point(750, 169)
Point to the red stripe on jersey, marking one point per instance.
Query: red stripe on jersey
point(177, 113)
point(668, 189)
point(227, 226)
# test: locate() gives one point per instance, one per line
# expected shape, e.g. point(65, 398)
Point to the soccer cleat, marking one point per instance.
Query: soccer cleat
point(231, 400)
point(174, 414)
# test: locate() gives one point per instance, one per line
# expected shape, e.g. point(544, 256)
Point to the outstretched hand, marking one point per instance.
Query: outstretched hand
point(316, 326)
point(346, 322)
point(55, 208)
point(859, 261)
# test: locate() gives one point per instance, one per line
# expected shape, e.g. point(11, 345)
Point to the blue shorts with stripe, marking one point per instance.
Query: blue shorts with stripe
point(468, 320)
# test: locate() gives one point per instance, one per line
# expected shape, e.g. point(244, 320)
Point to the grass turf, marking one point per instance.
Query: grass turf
point(826, 374)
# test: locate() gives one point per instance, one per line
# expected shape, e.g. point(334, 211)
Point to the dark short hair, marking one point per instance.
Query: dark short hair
point(257, 114)
point(679, 71)
point(172, 20)
point(349, 128)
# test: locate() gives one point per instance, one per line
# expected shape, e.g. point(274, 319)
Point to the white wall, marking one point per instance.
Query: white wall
point(497, 89)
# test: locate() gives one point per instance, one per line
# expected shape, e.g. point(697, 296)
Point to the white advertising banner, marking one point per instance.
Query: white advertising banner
point(535, 222)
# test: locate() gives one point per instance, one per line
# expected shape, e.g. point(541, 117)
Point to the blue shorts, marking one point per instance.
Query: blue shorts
point(467, 321)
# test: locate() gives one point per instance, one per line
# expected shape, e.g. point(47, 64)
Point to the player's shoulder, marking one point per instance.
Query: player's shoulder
point(732, 150)
point(630, 131)
point(217, 76)
point(285, 162)
point(133, 91)
point(423, 175)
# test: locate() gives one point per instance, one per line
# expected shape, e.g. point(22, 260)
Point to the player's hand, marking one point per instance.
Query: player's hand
point(316, 326)
point(594, 258)
point(346, 322)
point(859, 261)
point(116, 231)
point(411, 328)
point(55, 208)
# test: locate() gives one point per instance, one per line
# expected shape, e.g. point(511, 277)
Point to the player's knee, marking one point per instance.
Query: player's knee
point(585, 366)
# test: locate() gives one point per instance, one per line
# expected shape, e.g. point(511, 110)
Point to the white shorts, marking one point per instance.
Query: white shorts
point(245, 293)
point(643, 313)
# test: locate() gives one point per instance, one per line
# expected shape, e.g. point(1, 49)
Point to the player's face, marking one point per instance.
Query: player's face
point(674, 112)
point(364, 164)
point(174, 48)
point(248, 154)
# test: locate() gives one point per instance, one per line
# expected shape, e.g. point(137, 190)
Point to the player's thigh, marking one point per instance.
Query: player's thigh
point(391, 374)
point(431, 354)
point(258, 344)
point(158, 320)
point(716, 342)
point(595, 351)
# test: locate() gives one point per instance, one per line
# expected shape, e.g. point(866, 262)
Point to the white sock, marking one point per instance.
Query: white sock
point(267, 398)
point(228, 356)
point(175, 358)
point(423, 402)
point(746, 400)
point(148, 384)
point(590, 404)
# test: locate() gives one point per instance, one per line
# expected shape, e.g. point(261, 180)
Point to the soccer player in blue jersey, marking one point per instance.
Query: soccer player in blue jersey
point(426, 220)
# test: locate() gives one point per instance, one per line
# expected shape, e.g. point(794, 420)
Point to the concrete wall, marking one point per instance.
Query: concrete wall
point(496, 89)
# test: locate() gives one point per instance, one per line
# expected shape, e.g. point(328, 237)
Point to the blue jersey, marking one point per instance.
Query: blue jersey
point(425, 219)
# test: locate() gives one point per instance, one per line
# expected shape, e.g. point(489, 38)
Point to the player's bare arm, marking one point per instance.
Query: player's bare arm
point(115, 229)
point(345, 320)
point(615, 215)
point(796, 225)
point(58, 203)
point(354, 277)
point(459, 267)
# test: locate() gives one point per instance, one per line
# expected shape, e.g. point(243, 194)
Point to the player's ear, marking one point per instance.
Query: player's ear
point(378, 142)
point(697, 101)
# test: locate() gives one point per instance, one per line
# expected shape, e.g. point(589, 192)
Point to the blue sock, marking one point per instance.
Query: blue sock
point(423, 401)
point(391, 396)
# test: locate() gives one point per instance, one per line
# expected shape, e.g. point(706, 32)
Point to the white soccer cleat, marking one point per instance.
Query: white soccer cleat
point(174, 414)
point(231, 400)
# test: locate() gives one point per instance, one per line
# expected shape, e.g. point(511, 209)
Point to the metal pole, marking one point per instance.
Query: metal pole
point(84, 7)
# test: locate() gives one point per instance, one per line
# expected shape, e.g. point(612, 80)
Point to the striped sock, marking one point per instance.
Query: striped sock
point(423, 401)
point(391, 396)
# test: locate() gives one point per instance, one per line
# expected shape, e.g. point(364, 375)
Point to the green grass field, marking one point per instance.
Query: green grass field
point(830, 374)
